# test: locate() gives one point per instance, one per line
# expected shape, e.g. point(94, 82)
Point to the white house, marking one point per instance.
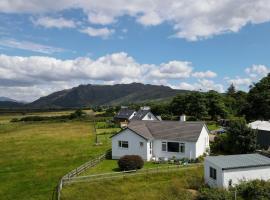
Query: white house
point(144, 114)
point(161, 140)
point(225, 171)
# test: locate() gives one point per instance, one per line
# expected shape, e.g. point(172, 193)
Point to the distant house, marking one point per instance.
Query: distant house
point(226, 171)
point(124, 116)
point(161, 140)
point(263, 133)
point(144, 114)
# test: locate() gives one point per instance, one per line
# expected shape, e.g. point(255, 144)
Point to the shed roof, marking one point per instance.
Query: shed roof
point(167, 130)
point(239, 161)
point(260, 125)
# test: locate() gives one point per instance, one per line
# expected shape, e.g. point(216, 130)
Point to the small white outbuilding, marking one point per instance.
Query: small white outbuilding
point(230, 170)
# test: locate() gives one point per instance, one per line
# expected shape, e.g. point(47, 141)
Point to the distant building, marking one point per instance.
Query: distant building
point(144, 114)
point(263, 133)
point(124, 116)
point(161, 140)
point(230, 170)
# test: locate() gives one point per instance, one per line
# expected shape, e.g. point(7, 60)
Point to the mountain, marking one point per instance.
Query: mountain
point(11, 104)
point(7, 99)
point(93, 95)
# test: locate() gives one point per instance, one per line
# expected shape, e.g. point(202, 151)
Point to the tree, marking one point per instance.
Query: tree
point(178, 105)
point(259, 100)
point(215, 105)
point(240, 138)
point(231, 90)
point(196, 105)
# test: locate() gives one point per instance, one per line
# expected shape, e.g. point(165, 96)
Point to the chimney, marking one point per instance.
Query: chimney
point(183, 118)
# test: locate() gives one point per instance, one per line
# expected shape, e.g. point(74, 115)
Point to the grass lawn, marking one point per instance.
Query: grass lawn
point(177, 185)
point(5, 118)
point(212, 127)
point(108, 166)
point(35, 155)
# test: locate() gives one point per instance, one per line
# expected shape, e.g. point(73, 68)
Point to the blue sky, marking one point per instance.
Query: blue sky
point(194, 45)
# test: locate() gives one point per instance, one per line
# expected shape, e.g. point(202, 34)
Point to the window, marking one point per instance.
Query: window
point(173, 147)
point(213, 173)
point(149, 116)
point(151, 147)
point(164, 146)
point(182, 147)
point(141, 144)
point(123, 144)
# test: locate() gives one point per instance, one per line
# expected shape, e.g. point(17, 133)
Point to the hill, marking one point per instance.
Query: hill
point(94, 95)
point(7, 99)
point(11, 104)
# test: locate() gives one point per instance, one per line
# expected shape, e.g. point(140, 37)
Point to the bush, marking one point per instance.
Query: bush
point(130, 162)
point(214, 194)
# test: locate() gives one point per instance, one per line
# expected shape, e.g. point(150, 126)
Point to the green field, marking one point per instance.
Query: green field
point(177, 185)
point(35, 155)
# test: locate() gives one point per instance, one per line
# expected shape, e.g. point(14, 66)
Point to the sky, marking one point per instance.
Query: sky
point(47, 46)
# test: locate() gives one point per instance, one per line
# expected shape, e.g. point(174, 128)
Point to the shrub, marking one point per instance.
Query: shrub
point(214, 194)
point(130, 162)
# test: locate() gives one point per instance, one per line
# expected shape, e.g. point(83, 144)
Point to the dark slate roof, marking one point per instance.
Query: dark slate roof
point(167, 130)
point(124, 113)
point(141, 114)
point(239, 161)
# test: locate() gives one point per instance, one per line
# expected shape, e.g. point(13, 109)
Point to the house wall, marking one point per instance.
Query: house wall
point(132, 115)
point(203, 142)
point(208, 180)
point(190, 148)
point(134, 147)
point(236, 175)
point(149, 116)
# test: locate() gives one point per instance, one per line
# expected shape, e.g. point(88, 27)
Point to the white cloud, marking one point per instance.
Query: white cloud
point(172, 70)
point(43, 75)
point(206, 74)
point(98, 32)
point(257, 70)
point(238, 82)
point(49, 22)
point(29, 46)
point(201, 85)
point(192, 20)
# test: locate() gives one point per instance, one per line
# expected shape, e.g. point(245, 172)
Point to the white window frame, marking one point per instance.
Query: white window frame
point(182, 147)
point(120, 144)
point(213, 173)
point(166, 145)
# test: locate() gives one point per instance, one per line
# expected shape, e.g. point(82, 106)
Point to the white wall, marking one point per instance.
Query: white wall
point(149, 116)
point(190, 148)
point(203, 142)
point(134, 147)
point(208, 180)
point(236, 175)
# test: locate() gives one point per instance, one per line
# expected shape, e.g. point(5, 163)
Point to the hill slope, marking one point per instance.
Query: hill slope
point(92, 95)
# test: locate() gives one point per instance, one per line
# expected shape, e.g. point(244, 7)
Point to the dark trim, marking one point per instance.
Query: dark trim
point(249, 166)
point(130, 130)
